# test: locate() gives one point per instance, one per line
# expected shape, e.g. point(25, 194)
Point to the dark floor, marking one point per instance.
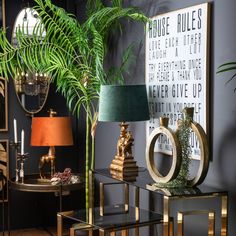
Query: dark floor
point(33, 232)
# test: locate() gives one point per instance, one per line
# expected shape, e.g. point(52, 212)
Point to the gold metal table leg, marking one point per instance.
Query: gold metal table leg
point(102, 198)
point(81, 226)
point(211, 220)
point(126, 197)
point(59, 225)
point(137, 212)
point(180, 224)
point(72, 232)
point(166, 215)
point(101, 232)
point(125, 232)
point(211, 223)
point(101, 192)
point(171, 228)
point(91, 200)
point(224, 215)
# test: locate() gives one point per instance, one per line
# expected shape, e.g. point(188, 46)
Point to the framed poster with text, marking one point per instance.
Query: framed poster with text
point(176, 73)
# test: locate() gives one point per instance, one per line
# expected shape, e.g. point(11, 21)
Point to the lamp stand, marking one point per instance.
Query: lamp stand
point(48, 158)
point(124, 165)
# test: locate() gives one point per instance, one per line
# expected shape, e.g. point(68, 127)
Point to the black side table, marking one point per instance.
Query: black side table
point(32, 183)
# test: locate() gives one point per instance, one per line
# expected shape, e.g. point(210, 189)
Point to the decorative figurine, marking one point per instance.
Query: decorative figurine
point(47, 158)
point(124, 164)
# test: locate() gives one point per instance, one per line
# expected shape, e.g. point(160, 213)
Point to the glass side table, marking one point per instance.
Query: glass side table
point(144, 181)
point(117, 218)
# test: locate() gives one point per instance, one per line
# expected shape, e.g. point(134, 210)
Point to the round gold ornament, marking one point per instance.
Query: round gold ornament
point(176, 162)
point(203, 144)
point(204, 155)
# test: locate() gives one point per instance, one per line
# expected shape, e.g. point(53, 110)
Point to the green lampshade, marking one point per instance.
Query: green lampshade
point(123, 103)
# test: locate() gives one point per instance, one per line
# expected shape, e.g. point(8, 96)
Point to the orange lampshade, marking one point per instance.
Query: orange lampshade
point(51, 131)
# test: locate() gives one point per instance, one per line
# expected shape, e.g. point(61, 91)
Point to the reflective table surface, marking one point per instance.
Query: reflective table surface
point(32, 183)
point(143, 180)
point(115, 217)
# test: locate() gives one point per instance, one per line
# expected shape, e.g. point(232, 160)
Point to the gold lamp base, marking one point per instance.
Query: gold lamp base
point(49, 158)
point(124, 165)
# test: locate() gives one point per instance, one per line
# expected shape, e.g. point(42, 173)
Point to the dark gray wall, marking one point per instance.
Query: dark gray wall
point(222, 107)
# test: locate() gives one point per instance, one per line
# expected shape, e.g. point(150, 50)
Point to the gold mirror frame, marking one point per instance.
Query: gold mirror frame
point(31, 88)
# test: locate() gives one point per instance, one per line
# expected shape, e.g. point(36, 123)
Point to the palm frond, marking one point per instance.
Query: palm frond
point(93, 6)
point(227, 67)
point(72, 54)
point(227, 64)
point(117, 3)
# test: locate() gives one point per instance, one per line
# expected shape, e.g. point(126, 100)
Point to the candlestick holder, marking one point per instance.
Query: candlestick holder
point(21, 158)
point(16, 146)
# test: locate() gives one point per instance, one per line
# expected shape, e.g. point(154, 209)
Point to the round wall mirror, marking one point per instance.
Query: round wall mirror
point(31, 86)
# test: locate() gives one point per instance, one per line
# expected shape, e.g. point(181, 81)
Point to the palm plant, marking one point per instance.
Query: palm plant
point(72, 54)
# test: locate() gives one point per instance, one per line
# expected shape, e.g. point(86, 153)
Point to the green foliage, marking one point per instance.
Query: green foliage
point(227, 67)
point(183, 134)
point(72, 54)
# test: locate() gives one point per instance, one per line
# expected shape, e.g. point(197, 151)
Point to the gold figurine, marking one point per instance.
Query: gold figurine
point(124, 165)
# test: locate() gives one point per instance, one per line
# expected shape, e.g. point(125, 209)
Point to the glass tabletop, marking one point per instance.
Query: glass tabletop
point(115, 217)
point(143, 180)
point(33, 183)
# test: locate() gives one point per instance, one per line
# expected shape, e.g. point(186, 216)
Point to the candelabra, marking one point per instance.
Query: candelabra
point(16, 146)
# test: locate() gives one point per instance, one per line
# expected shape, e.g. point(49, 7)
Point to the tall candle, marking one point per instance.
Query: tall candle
point(22, 141)
point(15, 131)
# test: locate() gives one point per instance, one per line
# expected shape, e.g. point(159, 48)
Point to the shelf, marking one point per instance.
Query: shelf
point(143, 180)
point(116, 218)
point(32, 183)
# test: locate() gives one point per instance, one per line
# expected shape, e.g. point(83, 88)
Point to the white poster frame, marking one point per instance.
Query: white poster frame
point(177, 69)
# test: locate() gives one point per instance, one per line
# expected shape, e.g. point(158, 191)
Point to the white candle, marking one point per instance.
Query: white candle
point(22, 141)
point(15, 131)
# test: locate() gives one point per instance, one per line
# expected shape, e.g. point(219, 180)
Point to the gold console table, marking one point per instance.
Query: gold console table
point(169, 195)
point(96, 219)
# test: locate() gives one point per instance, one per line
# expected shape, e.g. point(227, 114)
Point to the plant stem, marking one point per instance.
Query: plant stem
point(92, 153)
point(87, 163)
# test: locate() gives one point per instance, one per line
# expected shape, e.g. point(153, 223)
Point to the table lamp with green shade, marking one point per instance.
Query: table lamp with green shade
point(123, 103)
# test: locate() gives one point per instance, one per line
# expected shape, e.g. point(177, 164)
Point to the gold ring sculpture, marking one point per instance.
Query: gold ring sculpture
point(204, 155)
point(177, 158)
point(204, 150)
